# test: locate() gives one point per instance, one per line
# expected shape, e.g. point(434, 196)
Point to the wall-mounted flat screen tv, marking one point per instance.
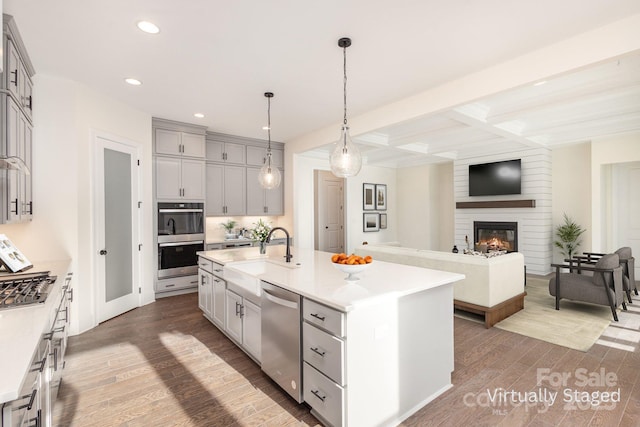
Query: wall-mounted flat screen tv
point(494, 179)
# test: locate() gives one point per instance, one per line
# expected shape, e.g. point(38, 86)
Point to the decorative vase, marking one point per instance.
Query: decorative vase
point(263, 247)
point(455, 249)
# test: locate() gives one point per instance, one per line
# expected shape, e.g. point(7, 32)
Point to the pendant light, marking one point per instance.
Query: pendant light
point(345, 159)
point(269, 176)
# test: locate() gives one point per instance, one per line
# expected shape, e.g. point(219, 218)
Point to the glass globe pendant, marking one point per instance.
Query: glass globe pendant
point(269, 175)
point(345, 159)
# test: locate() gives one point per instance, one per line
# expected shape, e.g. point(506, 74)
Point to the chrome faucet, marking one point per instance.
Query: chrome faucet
point(288, 256)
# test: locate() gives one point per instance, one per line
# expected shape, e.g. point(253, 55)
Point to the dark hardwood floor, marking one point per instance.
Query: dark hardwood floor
point(164, 364)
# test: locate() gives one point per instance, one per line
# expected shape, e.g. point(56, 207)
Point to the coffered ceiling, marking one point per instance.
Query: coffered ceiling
point(600, 101)
point(218, 58)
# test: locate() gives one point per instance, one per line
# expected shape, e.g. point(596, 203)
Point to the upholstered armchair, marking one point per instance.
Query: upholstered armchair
point(627, 261)
point(603, 287)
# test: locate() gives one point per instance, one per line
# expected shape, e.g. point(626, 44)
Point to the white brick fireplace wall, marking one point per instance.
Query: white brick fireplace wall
point(535, 229)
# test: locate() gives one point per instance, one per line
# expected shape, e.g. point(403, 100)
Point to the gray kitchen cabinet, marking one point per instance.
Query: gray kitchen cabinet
point(225, 152)
point(233, 318)
point(256, 156)
point(176, 143)
point(243, 323)
point(225, 190)
point(261, 201)
point(178, 178)
point(16, 104)
point(205, 291)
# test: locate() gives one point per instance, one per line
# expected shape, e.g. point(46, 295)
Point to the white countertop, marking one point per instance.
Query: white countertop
point(21, 330)
point(318, 279)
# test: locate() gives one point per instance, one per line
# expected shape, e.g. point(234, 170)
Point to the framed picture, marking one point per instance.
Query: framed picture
point(368, 197)
point(381, 197)
point(383, 221)
point(371, 222)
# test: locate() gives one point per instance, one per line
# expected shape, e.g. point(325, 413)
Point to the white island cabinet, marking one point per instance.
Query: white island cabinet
point(374, 350)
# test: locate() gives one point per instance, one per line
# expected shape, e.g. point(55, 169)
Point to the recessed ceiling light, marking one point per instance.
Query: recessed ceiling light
point(148, 27)
point(134, 82)
point(540, 83)
point(199, 115)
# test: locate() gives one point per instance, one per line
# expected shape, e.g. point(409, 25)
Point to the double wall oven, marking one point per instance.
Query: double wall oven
point(180, 237)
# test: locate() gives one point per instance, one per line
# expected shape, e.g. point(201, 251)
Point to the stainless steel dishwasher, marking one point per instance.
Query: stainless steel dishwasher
point(281, 352)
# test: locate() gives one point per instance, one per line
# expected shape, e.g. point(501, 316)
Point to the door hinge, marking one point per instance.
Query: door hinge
point(140, 247)
point(138, 162)
point(139, 205)
point(139, 290)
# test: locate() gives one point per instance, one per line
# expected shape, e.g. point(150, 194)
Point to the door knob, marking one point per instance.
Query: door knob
point(326, 227)
point(103, 252)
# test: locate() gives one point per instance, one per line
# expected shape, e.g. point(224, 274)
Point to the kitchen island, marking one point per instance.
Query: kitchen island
point(386, 347)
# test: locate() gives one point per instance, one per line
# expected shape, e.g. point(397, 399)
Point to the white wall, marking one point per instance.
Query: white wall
point(303, 197)
point(426, 207)
point(65, 116)
point(571, 184)
point(605, 152)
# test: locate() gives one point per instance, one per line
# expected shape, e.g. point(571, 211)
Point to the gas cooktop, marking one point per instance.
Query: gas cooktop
point(24, 289)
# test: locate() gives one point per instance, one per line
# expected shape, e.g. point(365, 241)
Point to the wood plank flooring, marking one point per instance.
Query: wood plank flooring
point(164, 364)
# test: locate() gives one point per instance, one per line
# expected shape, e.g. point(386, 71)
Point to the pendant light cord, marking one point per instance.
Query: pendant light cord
point(344, 52)
point(269, 123)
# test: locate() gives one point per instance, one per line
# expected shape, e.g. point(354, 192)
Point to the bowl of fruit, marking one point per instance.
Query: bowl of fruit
point(351, 264)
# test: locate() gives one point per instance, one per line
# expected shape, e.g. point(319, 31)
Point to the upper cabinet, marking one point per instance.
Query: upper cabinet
point(179, 152)
point(16, 105)
point(176, 143)
point(257, 156)
point(225, 152)
point(233, 164)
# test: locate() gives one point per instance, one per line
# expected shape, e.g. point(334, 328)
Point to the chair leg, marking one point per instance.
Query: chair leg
point(615, 315)
point(624, 306)
point(629, 296)
point(636, 291)
point(557, 288)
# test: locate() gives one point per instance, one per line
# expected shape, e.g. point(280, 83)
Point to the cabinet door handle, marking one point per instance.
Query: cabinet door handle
point(241, 310)
point(237, 309)
point(32, 399)
point(318, 352)
point(15, 80)
point(30, 208)
point(30, 104)
point(204, 279)
point(16, 202)
point(71, 295)
point(317, 316)
point(217, 270)
point(316, 393)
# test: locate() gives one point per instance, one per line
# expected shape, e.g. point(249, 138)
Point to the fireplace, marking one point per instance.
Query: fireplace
point(495, 235)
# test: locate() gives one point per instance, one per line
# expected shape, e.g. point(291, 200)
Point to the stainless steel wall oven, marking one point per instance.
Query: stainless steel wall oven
point(180, 237)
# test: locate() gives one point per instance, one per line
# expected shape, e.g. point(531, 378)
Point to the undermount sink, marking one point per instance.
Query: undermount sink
point(246, 273)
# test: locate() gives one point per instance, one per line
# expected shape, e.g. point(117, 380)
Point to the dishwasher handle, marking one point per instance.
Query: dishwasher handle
point(276, 300)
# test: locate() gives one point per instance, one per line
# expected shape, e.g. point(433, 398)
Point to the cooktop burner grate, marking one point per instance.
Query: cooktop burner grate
point(23, 289)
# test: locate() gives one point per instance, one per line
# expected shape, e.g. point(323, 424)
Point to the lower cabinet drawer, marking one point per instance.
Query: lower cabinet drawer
point(325, 397)
point(165, 285)
point(324, 352)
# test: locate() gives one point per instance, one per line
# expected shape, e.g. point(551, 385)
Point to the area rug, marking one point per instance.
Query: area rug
point(575, 325)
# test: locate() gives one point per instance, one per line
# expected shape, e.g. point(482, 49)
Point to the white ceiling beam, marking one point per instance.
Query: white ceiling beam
point(458, 115)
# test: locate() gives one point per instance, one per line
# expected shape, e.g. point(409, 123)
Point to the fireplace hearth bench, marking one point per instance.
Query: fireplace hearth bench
point(493, 287)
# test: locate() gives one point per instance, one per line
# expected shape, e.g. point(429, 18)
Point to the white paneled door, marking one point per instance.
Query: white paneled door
point(626, 206)
point(117, 253)
point(329, 212)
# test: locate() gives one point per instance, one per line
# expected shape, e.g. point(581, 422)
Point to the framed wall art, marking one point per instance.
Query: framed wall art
point(383, 221)
point(381, 197)
point(368, 197)
point(370, 222)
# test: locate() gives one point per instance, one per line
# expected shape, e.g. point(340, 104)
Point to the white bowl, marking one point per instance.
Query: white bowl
point(351, 270)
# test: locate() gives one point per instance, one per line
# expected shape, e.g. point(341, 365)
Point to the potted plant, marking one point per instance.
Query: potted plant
point(259, 232)
point(229, 226)
point(568, 234)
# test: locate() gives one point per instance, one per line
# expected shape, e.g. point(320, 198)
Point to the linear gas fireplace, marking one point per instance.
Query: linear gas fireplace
point(495, 236)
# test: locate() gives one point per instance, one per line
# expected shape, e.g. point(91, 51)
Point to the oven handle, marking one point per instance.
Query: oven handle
point(193, 242)
point(180, 210)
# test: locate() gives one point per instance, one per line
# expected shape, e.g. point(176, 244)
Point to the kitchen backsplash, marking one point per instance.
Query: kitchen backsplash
point(215, 230)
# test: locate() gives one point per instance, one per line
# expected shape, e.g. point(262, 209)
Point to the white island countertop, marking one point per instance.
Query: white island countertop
point(21, 330)
point(313, 275)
